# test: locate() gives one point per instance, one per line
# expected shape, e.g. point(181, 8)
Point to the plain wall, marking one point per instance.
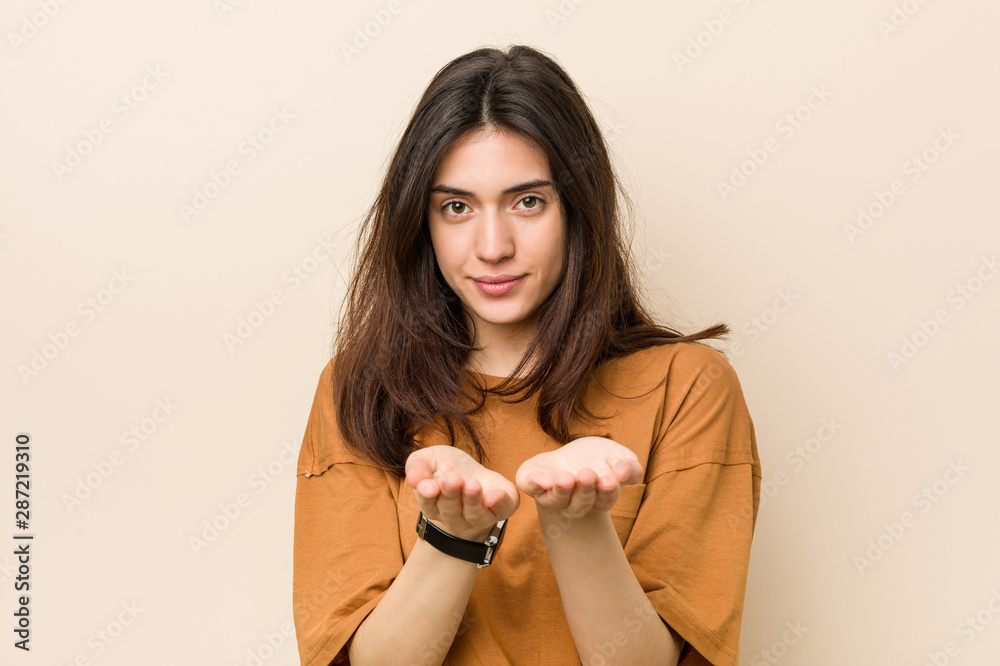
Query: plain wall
point(854, 254)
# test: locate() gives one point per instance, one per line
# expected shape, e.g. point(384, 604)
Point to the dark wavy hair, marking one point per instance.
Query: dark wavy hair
point(403, 340)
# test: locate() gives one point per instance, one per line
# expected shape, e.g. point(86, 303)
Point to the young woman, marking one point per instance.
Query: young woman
point(507, 461)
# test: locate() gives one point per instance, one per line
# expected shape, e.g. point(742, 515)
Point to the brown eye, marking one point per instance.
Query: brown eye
point(449, 207)
point(535, 202)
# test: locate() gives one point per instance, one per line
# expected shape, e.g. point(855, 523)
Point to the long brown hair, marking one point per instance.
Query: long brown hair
point(403, 339)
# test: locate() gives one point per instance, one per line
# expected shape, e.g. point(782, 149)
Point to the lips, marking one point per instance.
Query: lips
point(498, 285)
point(492, 279)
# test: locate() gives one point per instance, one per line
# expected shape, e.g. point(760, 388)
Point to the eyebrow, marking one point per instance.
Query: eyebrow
point(538, 183)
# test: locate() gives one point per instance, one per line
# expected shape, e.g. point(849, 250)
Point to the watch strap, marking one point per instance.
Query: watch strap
point(480, 553)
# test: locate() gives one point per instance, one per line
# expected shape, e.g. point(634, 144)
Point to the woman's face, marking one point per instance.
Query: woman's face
point(498, 231)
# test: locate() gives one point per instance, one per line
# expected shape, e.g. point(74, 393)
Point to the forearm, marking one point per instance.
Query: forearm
point(417, 619)
point(604, 603)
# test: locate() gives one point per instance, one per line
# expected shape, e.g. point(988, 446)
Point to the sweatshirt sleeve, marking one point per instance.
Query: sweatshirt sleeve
point(690, 544)
point(346, 550)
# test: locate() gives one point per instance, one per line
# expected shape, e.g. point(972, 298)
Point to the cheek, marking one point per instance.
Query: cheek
point(445, 251)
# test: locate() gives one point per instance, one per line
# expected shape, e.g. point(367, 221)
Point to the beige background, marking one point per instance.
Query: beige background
point(847, 549)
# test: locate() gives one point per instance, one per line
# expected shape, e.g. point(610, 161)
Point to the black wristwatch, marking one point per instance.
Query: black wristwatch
point(480, 553)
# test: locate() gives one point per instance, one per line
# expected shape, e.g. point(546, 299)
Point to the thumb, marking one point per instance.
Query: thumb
point(417, 470)
point(627, 470)
point(500, 502)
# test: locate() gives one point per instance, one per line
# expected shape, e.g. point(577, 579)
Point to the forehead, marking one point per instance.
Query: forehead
point(491, 160)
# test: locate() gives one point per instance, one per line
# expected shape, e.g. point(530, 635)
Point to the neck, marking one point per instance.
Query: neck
point(500, 348)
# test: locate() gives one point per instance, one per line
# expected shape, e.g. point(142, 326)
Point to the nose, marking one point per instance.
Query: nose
point(494, 237)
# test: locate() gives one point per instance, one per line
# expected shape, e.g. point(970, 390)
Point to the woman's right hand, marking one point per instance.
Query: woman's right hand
point(457, 494)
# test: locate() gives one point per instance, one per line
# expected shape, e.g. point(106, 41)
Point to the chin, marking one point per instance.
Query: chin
point(496, 318)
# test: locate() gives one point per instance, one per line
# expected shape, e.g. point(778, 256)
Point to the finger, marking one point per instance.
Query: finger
point(604, 502)
point(627, 471)
point(586, 476)
point(472, 490)
point(500, 503)
point(562, 490)
point(607, 492)
point(535, 483)
point(472, 502)
point(417, 469)
point(428, 489)
point(493, 499)
point(449, 503)
point(452, 485)
point(607, 483)
point(427, 505)
point(584, 494)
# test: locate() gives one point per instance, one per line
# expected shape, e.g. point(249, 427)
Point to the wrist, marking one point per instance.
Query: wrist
point(555, 522)
point(479, 552)
point(473, 534)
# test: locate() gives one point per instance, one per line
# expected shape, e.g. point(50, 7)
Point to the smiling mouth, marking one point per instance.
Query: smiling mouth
point(498, 285)
point(494, 279)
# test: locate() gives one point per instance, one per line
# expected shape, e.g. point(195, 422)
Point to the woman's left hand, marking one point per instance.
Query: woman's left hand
point(582, 476)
